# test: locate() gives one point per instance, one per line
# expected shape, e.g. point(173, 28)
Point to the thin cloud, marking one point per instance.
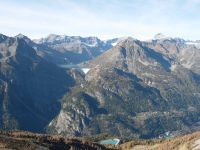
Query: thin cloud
point(105, 18)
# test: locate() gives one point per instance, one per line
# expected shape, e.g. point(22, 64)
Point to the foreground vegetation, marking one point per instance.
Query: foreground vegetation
point(21, 140)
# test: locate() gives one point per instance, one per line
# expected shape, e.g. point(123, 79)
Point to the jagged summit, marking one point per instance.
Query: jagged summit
point(72, 49)
point(54, 38)
point(159, 36)
point(3, 37)
point(15, 47)
point(129, 38)
point(24, 37)
point(50, 38)
point(20, 35)
point(129, 54)
point(115, 41)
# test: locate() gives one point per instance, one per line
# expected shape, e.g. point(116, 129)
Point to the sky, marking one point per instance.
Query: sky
point(106, 19)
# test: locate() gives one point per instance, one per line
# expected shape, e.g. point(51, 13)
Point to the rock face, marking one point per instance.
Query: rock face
point(71, 49)
point(136, 89)
point(30, 87)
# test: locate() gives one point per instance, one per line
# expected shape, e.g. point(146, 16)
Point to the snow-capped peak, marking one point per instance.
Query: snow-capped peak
point(195, 43)
point(160, 36)
point(115, 41)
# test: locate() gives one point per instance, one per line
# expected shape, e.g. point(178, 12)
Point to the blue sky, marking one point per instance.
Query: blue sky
point(140, 19)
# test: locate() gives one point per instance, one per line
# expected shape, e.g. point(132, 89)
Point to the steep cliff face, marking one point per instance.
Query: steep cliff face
point(137, 90)
point(30, 87)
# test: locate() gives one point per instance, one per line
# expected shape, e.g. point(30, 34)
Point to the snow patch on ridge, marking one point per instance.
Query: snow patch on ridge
point(173, 67)
point(115, 43)
point(196, 44)
point(160, 36)
point(196, 145)
point(85, 70)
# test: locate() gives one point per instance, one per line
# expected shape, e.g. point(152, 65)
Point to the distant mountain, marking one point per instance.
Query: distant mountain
point(160, 36)
point(135, 89)
point(195, 43)
point(73, 49)
point(115, 41)
point(30, 87)
point(44, 51)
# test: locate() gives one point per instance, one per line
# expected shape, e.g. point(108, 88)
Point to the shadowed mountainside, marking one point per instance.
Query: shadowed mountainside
point(30, 87)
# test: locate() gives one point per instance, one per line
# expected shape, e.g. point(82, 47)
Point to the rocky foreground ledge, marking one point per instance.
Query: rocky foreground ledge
point(21, 140)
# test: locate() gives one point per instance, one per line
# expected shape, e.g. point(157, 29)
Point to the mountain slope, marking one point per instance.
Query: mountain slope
point(132, 90)
point(47, 53)
point(186, 142)
point(30, 87)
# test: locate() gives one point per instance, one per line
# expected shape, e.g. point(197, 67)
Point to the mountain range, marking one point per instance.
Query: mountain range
point(71, 49)
point(133, 88)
